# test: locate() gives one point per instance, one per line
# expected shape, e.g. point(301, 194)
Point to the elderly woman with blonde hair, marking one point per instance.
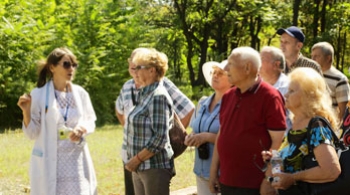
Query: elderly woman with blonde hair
point(148, 145)
point(307, 99)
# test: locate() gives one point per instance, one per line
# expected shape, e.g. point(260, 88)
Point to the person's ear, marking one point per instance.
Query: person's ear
point(299, 45)
point(277, 64)
point(329, 58)
point(248, 68)
point(51, 68)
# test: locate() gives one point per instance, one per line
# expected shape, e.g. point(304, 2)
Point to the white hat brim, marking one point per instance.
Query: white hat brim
point(207, 68)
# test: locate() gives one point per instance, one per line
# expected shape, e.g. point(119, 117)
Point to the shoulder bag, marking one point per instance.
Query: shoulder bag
point(341, 185)
point(177, 134)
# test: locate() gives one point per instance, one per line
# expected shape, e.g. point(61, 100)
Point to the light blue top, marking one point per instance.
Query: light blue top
point(282, 85)
point(204, 121)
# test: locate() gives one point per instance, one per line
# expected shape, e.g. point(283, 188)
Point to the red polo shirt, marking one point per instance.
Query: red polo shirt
point(245, 119)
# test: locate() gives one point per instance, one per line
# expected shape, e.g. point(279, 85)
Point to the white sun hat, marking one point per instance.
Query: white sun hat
point(207, 69)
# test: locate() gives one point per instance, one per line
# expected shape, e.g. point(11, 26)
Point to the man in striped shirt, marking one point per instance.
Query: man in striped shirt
point(292, 40)
point(338, 83)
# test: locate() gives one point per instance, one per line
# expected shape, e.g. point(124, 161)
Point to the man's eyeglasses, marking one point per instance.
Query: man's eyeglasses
point(67, 65)
point(139, 67)
point(264, 167)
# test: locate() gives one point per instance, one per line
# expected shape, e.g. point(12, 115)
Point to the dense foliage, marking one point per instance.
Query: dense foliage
point(102, 33)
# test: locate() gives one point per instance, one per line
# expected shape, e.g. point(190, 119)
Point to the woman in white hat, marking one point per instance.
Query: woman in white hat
point(205, 123)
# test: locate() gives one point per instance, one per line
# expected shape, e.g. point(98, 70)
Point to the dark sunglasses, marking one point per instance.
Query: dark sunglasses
point(67, 65)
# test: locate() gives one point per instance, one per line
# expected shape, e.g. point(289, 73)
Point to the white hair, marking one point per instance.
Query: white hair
point(248, 54)
point(277, 55)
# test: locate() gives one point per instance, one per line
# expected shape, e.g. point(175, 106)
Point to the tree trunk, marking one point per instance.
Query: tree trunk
point(316, 18)
point(343, 53)
point(181, 10)
point(251, 31)
point(296, 12)
point(323, 16)
point(337, 54)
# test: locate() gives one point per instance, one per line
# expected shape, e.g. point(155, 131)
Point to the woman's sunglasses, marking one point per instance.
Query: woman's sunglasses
point(67, 65)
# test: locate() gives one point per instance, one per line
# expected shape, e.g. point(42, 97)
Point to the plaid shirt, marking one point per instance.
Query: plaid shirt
point(338, 85)
point(304, 62)
point(124, 103)
point(147, 126)
point(182, 104)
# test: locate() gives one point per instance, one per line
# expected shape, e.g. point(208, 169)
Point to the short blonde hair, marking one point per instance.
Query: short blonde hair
point(153, 58)
point(315, 100)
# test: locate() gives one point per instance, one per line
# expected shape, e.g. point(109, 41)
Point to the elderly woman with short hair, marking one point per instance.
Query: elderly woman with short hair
point(148, 145)
point(205, 123)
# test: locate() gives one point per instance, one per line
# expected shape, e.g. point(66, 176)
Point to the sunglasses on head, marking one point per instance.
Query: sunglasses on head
point(67, 65)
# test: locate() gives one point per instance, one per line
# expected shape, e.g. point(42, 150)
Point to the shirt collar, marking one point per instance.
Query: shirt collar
point(297, 61)
point(253, 89)
point(207, 101)
point(149, 88)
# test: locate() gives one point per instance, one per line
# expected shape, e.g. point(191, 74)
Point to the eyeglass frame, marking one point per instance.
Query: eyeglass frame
point(266, 162)
point(139, 67)
point(219, 73)
point(67, 65)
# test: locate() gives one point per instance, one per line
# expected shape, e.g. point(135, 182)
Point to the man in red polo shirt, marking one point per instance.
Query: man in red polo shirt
point(252, 119)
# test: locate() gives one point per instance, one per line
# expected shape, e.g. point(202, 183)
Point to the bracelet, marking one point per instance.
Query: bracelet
point(138, 158)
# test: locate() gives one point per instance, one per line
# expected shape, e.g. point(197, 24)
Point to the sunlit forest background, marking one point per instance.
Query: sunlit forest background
point(102, 34)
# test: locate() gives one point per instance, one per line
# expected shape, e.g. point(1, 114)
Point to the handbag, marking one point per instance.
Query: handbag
point(177, 134)
point(341, 185)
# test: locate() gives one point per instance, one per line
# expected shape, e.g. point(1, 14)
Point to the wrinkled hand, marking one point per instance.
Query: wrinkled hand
point(266, 188)
point(266, 155)
point(284, 182)
point(194, 139)
point(76, 134)
point(133, 164)
point(25, 102)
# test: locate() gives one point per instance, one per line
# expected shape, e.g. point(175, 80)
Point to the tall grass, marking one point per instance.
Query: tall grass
point(104, 146)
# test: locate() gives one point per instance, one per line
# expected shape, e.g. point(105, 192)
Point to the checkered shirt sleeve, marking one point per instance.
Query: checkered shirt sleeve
point(182, 104)
point(124, 97)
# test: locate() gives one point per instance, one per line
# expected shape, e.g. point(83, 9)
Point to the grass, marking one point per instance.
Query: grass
point(104, 145)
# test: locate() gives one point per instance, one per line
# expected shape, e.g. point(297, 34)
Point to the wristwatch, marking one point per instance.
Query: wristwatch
point(269, 179)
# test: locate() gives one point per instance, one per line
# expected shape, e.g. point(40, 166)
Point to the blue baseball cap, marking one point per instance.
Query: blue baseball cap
point(294, 32)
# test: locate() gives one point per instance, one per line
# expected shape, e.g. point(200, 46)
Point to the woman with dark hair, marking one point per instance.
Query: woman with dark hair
point(58, 115)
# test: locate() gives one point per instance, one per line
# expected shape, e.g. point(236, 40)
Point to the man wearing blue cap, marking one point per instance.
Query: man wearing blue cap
point(292, 40)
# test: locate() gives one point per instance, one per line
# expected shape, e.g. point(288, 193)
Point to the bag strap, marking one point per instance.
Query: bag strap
point(345, 126)
point(133, 98)
point(308, 133)
point(198, 106)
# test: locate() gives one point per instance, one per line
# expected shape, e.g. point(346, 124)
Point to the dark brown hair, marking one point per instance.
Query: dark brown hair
point(53, 58)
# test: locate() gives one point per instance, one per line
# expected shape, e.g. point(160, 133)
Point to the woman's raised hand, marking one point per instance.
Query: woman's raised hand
point(24, 102)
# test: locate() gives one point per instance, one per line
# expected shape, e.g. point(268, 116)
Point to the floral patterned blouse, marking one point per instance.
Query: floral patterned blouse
point(295, 144)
